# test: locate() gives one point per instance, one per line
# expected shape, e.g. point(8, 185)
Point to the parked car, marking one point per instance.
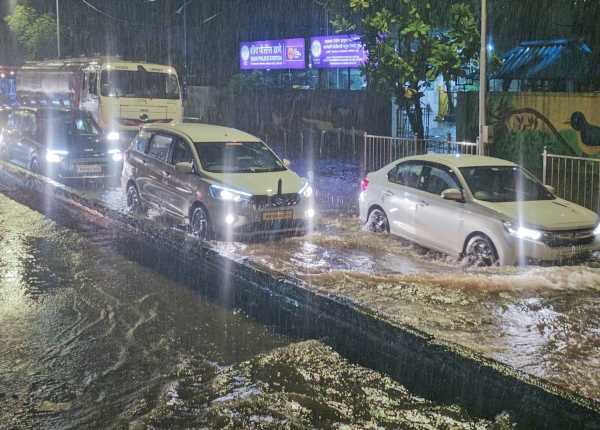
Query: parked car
point(487, 210)
point(219, 181)
point(61, 143)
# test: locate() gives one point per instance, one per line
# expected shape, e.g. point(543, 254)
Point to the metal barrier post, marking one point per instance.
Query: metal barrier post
point(544, 164)
point(365, 154)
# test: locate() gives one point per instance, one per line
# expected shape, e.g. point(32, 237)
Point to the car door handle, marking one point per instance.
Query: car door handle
point(423, 203)
point(388, 193)
point(166, 174)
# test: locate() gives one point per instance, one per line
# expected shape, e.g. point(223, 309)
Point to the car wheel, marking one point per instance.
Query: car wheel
point(378, 222)
point(200, 223)
point(481, 252)
point(134, 202)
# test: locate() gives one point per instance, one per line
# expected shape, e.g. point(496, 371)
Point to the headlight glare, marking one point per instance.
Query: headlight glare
point(55, 155)
point(523, 232)
point(227, 194)
point(115, 154)
point(597, 230)
point(306, 191)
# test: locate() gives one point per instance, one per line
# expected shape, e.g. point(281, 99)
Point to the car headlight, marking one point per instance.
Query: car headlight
point(115, 154)
point(597, 230)
point(306, 191)
point(55, 155)
point(113, 136)
point(228, 194)
point(522, 232)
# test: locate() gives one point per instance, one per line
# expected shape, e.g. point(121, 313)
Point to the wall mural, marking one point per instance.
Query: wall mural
point(573, 120)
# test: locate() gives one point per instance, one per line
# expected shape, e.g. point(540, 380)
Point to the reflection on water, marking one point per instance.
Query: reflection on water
point(91, 339)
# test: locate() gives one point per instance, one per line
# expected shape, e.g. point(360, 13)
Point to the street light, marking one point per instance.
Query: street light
point(483, 135)
point(57, 29)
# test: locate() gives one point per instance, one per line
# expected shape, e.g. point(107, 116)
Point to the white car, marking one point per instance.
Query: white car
point(487, 210)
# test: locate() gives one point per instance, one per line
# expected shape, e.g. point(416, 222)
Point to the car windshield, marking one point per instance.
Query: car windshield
point(139, 84)
point(238, 157)
point(504, 184)
point(61, 124)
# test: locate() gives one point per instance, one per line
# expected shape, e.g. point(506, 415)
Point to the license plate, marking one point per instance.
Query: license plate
point(277, 215)
point(89, 168)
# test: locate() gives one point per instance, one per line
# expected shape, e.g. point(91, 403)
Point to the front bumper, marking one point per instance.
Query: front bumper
point(534, 251)
point(246, 219)
point(97, 168)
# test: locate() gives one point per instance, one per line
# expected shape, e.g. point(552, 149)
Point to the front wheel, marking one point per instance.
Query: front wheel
point(200, 223)
point(378, 222)
point(134, 202)
point(480, 252)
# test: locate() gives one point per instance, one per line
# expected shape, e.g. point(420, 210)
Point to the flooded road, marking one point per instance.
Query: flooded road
point(92, 339)
point(542, 320)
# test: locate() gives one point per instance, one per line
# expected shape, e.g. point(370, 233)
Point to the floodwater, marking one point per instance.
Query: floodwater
point(93, 339)
point(542, 320)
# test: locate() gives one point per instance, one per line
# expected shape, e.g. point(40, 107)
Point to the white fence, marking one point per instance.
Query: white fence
point(576, 179)
point(382, 150)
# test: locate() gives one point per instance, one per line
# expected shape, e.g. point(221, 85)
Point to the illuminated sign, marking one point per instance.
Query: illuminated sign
point(272, 54)
point(337, 51)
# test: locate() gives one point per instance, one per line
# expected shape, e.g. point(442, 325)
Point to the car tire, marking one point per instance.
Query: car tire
point(480, 252)
point(377, 222)
point(200, 226)
point(134, 201)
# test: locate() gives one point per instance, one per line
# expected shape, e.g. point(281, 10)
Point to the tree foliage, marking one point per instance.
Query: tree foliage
point(410, 43)
point(34, 32)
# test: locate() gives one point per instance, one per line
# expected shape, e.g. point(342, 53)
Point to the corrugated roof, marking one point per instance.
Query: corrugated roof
point(560, 59)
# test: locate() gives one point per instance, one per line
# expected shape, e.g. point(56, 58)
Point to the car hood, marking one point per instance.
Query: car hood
point(261, 183)
point(557, 214)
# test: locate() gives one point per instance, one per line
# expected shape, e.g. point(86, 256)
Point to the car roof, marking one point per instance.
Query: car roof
point(204, 133)
point(459, 160)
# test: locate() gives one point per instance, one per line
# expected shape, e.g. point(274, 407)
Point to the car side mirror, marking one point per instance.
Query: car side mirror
point(550, 189)
point(184, 167)
point(452, 194)
point(286, 162)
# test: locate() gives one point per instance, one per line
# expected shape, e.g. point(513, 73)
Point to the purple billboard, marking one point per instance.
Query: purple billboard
point(272, 54)
point(337, 51)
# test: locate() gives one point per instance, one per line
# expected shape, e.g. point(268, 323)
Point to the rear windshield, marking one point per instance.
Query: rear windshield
point(238, 157)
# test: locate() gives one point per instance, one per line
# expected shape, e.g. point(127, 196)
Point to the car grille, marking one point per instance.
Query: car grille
point(556, 239)
point(276, 201)
point(269, 227)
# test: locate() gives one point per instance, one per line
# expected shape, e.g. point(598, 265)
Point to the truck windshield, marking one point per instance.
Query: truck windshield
point(139, 84)
point(504, 184)
point(238, 157)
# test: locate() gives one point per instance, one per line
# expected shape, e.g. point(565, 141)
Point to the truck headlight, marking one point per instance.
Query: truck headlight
point(113, 136)
point(55, 155)
point(306, 191)
point(228, 194)
point(115, 154)
point(521, 232)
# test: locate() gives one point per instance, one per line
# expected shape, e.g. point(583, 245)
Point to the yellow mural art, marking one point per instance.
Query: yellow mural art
point(573, 118)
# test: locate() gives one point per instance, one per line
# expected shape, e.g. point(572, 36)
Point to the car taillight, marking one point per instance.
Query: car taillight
point(364, 184)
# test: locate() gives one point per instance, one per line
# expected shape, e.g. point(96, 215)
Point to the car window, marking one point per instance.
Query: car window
point(407, 174)
point(182, 153)
point(438, 179)
point(141, 142)
point(159, 147)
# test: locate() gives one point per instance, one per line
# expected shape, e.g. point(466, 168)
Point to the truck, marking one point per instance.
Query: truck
point(120, 94)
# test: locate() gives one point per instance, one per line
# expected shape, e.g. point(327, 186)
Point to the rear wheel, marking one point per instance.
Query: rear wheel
point(378, 222)
point(200, 223)
point(481, 252)
point(134, 202)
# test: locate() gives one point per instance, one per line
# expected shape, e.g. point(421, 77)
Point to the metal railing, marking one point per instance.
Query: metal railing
point(576, 179)
point(382, 150)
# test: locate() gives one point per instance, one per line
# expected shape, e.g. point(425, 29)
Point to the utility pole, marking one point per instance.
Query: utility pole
point(483, 135)
point(57, 29)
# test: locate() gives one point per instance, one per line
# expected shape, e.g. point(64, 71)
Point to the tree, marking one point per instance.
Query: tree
point(34, 32)
point(410, 42)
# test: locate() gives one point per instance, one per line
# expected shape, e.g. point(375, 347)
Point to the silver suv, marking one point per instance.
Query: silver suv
point(220, 181)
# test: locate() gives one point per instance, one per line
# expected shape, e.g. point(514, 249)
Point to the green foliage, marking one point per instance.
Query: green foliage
point(410, 43)
point(35, 33)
